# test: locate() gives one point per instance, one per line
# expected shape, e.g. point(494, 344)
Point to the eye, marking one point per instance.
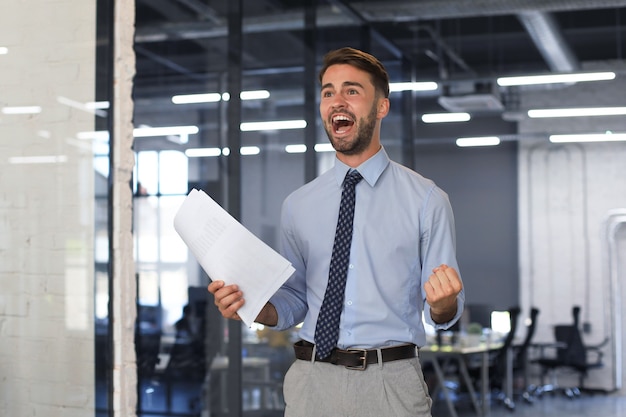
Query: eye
point(352, 92)
point(327, 94)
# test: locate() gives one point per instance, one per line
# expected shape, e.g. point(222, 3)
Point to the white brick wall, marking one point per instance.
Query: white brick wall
point(566, 193)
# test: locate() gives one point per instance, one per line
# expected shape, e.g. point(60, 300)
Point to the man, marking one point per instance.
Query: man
point(402, 263)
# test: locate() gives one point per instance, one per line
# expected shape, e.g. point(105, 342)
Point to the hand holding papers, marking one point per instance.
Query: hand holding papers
point(228, 251)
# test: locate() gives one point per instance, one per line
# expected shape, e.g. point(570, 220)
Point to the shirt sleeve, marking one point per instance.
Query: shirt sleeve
point(290, 299)
point(438, 246)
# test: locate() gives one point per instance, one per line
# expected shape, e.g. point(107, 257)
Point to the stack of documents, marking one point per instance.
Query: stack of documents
point(229, 252)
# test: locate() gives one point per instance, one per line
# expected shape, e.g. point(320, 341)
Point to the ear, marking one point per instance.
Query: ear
point(383, 108)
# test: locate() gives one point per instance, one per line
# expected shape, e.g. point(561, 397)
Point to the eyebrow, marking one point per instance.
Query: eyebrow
point(345, 84)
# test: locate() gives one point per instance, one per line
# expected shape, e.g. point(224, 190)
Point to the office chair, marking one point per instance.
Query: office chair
point(147, 348)
point(185, 373)
point(498, 377)
point(572, 354)
point(521, 360)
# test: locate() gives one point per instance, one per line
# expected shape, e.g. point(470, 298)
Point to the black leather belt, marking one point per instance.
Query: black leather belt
point(356, 358)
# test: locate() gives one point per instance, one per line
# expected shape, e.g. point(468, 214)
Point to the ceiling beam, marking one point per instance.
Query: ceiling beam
point(383, 11)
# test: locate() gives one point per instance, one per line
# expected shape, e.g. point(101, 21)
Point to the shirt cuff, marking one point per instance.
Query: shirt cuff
point(444, 326)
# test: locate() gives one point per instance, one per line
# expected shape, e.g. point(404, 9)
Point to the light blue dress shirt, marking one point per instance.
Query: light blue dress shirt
point(403, 228)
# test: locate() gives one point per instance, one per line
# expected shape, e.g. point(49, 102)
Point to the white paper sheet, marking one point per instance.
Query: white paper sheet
point(229, 252)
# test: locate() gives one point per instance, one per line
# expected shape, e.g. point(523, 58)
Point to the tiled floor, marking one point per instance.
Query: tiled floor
point(549, 405)
point(596, 405)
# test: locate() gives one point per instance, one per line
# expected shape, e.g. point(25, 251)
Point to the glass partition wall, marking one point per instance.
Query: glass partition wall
point(53, 207)
point(182, 142)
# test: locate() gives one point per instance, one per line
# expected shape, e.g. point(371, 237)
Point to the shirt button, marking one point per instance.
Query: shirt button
point(351, 266)
point(349, 302)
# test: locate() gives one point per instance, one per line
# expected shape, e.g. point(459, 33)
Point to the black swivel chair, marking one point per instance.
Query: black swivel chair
point(498, 369)
point(147, 347)
point(521, 359)
point(498, 365)
point(572, 354)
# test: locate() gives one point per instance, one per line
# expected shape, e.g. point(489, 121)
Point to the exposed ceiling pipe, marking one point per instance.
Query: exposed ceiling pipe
point(383, 11)
point(546, 34)
point(355, 15)
point(411, 10)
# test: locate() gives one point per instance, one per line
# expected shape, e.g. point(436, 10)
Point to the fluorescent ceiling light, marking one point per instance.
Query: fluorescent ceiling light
point(445, 117)
point(577, 112)
point(97, 105)
point(4, 50)
point(202, 152)
point(555, 78)
point(208, 152)
point(254, 95)
point(478, 141)
point(324, 147)
point(197, 98)
point(249, 150)
point(101, 135)
point(300, 148)
point(273, 125)
point(48, 159)
point(144, 132)
point(413, 86)
point(22, 110)
point(215, 97)
point(81, 106)
point(589, 137)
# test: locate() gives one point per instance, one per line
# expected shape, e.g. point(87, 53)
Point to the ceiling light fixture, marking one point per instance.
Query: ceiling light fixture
point(324, 147)
point(577, 112)
point(255, 95)
point(478, 141)
point(555, 78)
point(445, 117)
point(215, 97)
point(97, 105)
point(249, 150)
point(144, 132)
point(197, 98)
point(21, 110)
point(272, 125)
point(44, 159)
point(413, 86)
point(588, 137)
point(299, 148)
point(202, 152)
point(81, 106)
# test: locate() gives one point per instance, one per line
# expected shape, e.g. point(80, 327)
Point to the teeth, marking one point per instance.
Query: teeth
point(340, 117)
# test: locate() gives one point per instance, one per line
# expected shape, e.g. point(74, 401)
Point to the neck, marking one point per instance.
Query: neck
point(354, 161)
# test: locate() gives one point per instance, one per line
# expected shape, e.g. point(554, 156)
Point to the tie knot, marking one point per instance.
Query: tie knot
point(352, 178)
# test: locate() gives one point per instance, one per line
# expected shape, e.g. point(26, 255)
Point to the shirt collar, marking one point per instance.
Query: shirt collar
point(371, 169)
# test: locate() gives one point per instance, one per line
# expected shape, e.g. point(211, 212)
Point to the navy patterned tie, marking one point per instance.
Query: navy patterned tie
point(327, 327)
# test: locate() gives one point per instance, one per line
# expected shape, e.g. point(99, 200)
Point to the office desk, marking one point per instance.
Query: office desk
point(437, 355)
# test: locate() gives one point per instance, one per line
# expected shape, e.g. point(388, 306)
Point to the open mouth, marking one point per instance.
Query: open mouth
point(342, 123)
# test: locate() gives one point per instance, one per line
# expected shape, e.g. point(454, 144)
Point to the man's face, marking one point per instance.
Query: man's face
point(348, 107)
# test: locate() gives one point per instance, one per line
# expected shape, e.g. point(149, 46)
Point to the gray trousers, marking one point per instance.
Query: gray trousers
point(318, 389)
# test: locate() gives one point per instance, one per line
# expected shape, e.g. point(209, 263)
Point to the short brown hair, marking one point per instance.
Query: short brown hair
point(361, 60)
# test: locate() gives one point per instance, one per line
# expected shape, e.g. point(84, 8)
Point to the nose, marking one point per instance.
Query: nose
point(338, 101)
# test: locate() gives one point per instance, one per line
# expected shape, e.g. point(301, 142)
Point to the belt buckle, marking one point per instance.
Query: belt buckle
point(362, 358)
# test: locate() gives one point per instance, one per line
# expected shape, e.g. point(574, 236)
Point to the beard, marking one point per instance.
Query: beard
point(362, 139)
